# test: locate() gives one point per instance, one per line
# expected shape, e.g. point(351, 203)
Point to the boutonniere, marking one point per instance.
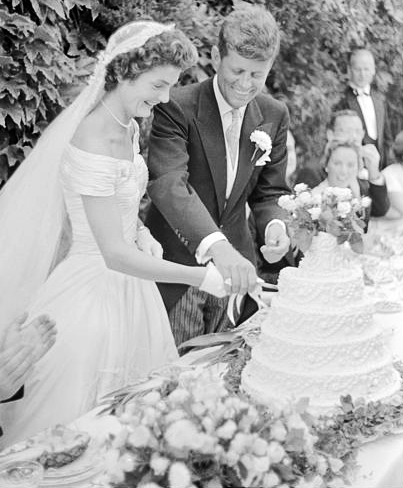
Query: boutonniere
point(262, 141)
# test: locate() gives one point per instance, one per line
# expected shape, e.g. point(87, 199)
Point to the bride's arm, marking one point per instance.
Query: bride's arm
point(104, 219)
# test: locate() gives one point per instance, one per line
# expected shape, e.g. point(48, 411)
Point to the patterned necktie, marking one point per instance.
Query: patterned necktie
point(232, 134)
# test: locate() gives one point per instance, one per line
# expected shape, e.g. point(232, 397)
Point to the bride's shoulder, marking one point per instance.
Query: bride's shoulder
point(90, 136)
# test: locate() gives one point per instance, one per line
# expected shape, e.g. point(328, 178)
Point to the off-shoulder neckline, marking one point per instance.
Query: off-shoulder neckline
point(103, 156)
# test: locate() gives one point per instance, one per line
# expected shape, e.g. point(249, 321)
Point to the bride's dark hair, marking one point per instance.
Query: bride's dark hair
point(170, 48)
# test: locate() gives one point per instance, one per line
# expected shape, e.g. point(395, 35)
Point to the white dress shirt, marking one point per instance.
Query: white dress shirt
point(226, 118)
point(366, 104)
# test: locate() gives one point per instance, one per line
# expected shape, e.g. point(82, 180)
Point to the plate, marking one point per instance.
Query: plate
point(388, 306)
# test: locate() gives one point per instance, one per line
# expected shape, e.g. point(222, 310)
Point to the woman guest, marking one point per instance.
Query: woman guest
point(112, 323)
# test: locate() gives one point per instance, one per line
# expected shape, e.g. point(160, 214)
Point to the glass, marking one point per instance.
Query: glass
point(21, 474)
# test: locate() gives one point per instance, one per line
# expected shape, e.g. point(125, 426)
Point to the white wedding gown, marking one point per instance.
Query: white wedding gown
point(112, 328)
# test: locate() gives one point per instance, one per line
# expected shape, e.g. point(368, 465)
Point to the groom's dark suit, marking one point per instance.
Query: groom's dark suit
point(187, 163)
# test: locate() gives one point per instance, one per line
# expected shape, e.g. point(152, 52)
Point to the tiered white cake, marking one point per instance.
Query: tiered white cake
point(320, 339)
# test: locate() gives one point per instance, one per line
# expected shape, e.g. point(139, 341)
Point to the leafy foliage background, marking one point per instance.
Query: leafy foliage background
point(47, 48)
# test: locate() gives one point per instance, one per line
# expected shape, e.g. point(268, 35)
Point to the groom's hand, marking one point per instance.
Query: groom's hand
point(239, 274)
point(276, 244)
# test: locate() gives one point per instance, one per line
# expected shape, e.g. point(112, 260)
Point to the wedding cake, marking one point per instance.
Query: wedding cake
point(320, 339)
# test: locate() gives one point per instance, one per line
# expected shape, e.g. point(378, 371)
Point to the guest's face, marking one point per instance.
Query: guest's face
point(152, 87)
point(342, 167)
point(362, 69)
point(348, 127)
point(239, 79)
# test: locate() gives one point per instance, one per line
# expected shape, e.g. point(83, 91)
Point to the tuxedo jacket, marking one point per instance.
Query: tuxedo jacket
point(385, 139)
point(187, 165)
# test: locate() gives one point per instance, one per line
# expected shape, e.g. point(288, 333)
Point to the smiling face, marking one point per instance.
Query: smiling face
point(362, 68)
point(342, 167)
point(139, 96)
point(239, 79)
point(348, 127)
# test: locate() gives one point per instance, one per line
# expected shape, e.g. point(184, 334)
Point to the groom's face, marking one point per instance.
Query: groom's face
point(239, 79)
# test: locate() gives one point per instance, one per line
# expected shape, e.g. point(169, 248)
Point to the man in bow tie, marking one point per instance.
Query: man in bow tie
point(204, 168)
point(369, 104)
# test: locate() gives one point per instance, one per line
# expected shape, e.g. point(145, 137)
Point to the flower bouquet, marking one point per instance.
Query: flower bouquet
point(192, 433)
point(334, 211)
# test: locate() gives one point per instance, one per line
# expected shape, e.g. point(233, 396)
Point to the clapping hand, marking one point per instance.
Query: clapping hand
point(276, 244)
point(146, 243)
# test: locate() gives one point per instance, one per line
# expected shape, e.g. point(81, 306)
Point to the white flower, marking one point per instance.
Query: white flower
point(365, 202)
point(287, 202)
point(227, 430)
point(271, 480)
point(179, 395)
point(175, 415)
point(208, 424)
point(183, 434)
point(240, 442)
point(150, 485)
point(300, 188)
point(127, 462)
point(152, 398)
point(213, 483)
point(231, 457)
point(263, 142)
point(315, 212)
point(304, 198)
point(316, 482)
point(179, 476)
point(276, 452)
point(261, 464)
point(140, 436)
point(259, 447)
point(335, 464)
point(317, 199)
point(159, 464)
point(278, 432)
point(321, 465)
point(343, 208)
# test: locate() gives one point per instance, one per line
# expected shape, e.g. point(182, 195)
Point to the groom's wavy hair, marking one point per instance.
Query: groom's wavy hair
point(170, 48)
point(252, 32)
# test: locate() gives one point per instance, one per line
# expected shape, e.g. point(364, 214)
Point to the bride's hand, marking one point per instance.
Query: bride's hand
point(213, 282)
point(146, 243)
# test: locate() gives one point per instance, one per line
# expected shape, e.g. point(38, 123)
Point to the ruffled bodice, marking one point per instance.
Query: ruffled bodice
point(84, 173)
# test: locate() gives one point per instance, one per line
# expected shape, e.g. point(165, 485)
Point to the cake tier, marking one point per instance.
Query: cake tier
point(269, 386)
point(325, 256)
point(360, 354)
point(289, 320)
point(336, 290)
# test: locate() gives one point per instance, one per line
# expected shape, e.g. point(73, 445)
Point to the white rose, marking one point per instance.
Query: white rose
point(227, 430)
point(240, 442)
point(140, 436)
point(278, 432)
point(343, 208)
point(300, 188)
point(271, 480)
point(261, 464)
point(179, 476)
point(366, 202)
point(178, 396)
point(317, 199)
point(315, 212)
point(304, 197)
point(182, 434)
point(276, 452)
point(159, 465)
point(151, 398)
point(231, 458)
point(259, 447)
point(174, 415)
point(321, 465)
point(127, 462)
point(335, 464)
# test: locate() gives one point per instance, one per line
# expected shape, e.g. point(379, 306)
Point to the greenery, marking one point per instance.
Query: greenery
point(47, 49)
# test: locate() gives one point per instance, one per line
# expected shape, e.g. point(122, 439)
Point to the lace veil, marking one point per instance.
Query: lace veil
point(32, 213)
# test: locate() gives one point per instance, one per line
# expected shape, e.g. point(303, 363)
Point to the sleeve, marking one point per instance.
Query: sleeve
point(89, 174)
point(393, 182)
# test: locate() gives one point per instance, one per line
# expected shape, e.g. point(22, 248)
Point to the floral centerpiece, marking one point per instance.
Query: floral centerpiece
point(192, 433)
point(334, 211)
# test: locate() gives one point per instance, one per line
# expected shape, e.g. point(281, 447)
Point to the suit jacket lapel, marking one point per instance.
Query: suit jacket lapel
point(253, 117)
point(208, 122)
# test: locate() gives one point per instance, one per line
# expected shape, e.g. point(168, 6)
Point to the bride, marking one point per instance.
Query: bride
point(86, 174)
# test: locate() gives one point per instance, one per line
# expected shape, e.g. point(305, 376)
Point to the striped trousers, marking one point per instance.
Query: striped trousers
point(197, 313)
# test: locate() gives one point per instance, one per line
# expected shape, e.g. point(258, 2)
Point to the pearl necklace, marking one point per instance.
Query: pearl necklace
point(126, 126)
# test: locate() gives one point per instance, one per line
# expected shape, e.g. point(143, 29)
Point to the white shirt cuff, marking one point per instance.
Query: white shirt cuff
point(274, 221)
point(205, 244)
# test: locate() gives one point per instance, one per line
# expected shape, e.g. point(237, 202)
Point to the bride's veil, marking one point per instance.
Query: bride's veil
point(32, 214)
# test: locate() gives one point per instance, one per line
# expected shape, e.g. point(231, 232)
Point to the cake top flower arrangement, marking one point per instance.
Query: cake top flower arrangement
point(193, 433)
point(335, 211)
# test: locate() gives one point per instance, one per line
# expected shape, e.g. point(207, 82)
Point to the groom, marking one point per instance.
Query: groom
point(204, 169)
